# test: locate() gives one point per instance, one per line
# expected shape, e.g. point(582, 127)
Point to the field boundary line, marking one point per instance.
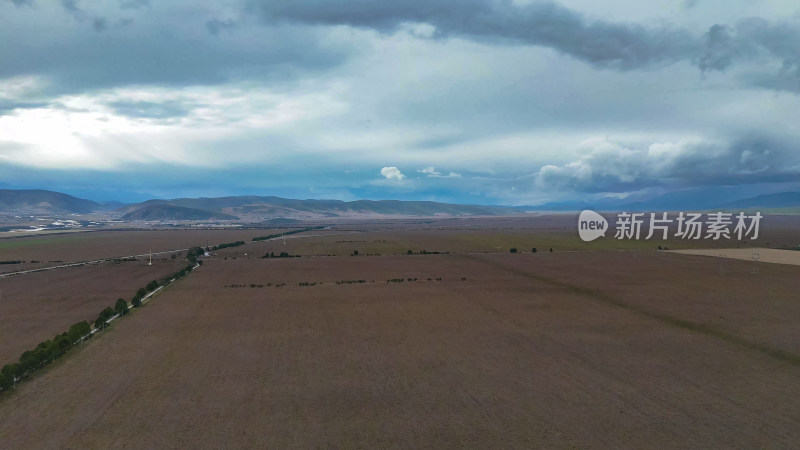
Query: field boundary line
point(781, 355)
point(86, 263)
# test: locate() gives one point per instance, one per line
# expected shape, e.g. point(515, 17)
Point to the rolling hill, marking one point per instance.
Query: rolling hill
point(780, 200)
point(172, 212)
point(36, 201)
point(270, 207)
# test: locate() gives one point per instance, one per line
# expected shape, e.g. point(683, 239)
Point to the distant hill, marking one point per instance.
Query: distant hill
point(780, 200)
point(271, 207)
point(172, 212)
point(687, 200)
point(38, 201)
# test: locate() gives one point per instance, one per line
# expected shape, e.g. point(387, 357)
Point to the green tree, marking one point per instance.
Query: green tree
point(62, 342)
point(533, 250)
point(78, 331)
point(151, 286)
point(513, 250)
point(106, 314)
point(121, 307)
point(10, 373)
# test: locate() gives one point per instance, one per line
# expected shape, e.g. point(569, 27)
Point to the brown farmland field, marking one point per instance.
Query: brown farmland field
point(759, 255)
point(35, 307)
point(90, 245)
point(492, 235)
point(604, 349)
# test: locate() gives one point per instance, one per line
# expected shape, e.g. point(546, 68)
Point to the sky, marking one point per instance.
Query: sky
point(507, 102)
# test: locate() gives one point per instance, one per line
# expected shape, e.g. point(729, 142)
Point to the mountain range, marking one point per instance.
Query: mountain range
point(37, 201)
point(268, 207)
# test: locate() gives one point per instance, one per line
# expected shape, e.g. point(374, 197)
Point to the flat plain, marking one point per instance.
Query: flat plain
point(606, 348)
point(36, 306)
point(53, 249)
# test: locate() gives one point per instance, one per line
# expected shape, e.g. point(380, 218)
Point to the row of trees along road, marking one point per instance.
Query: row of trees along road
point(50, 350)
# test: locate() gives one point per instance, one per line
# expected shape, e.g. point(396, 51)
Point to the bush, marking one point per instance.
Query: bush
point(513, 250)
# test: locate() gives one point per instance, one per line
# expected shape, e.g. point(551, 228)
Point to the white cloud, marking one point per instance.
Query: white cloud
point(624, 165)
point(21, 87)
point(433, 173)
point(392, 173)
point(325, 104)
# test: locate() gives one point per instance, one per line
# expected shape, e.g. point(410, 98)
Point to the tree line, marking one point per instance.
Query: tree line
point(228, 245)
point(273, 236)
point(50, 350)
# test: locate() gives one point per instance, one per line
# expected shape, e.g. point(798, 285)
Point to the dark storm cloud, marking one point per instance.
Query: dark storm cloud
point(600, 43)
point(7, 107)
point(215, 26)
point(134, 4)
point(787, 79)
point(72, 8)
point(609, 167)
point(750, 39)
point(603, 44)
point(153, 53)
point(719, 50)
point(99, 24)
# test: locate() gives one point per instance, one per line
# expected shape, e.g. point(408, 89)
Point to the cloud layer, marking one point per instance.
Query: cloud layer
point(478, 101)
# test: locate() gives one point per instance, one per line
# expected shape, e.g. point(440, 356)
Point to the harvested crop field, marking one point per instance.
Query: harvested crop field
point(35, 307)
point(760, 255)
point(83, 246)
point(493, 235)
point(589, 350)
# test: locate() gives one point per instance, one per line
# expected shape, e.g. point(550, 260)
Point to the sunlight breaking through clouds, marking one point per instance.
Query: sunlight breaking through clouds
point(478, 101)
